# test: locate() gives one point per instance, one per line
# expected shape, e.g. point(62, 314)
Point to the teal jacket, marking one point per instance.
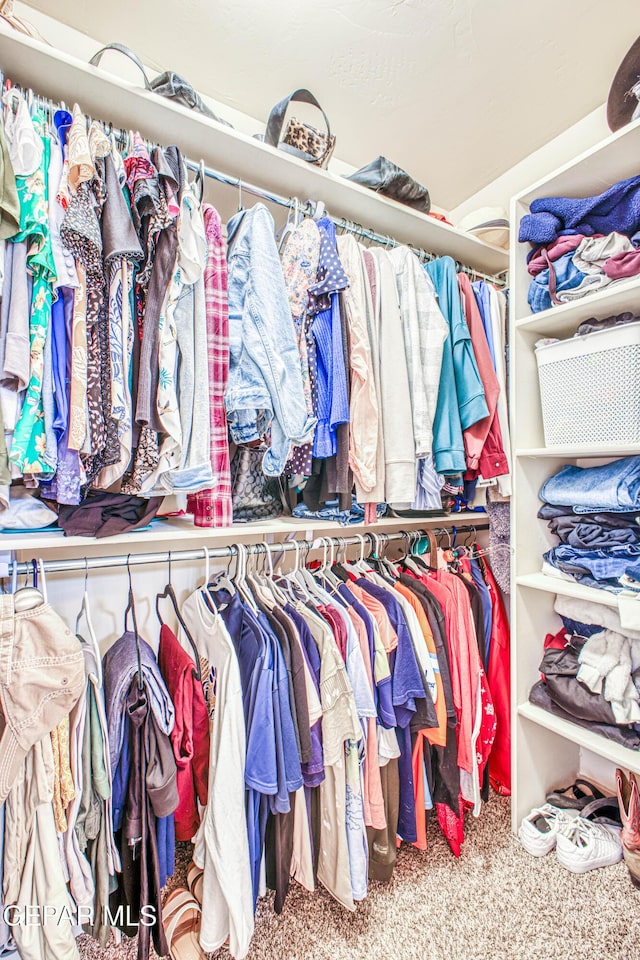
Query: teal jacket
point(461, 401)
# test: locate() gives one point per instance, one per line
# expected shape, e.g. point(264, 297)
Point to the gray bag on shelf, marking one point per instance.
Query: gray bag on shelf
point(168, 84)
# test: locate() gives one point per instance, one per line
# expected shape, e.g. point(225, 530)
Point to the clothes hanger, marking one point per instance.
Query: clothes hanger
point(305, 580)
point(198, 181)
point(339, 569)
point(293, 221)
point(169, 593)
point(86, 612)
point(222, 581)
point(240, 207)
point(240, 578)
point(269, 580)
point(131, 609)
point(331, 581)
point(43, 579)
point(260, 590)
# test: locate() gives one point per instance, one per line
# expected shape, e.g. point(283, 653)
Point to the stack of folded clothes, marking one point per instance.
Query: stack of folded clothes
point(595, 513)
point(579, 246)
point(591, 672)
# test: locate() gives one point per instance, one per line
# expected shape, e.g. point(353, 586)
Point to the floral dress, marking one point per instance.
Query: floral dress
point(29, 439)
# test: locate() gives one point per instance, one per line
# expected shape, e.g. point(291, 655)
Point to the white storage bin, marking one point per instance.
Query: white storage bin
point(590, 388)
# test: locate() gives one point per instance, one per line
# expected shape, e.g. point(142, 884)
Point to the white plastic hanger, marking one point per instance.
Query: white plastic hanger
point(85, 611)
point(257, 584)
point(240, 579)
point(269, 581)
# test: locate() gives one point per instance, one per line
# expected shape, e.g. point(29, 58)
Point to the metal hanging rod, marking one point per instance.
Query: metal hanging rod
point(307, 207)
point(138, 559)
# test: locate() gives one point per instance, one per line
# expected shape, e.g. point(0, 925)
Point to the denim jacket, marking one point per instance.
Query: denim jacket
point(265, 387)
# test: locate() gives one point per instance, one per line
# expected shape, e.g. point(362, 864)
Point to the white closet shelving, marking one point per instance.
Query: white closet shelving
point(61, 77)
point(547, 751)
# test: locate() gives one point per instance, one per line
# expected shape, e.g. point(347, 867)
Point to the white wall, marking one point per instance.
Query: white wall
point(558, 151)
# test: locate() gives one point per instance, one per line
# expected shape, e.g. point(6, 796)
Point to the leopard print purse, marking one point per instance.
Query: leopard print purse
point(300, 139)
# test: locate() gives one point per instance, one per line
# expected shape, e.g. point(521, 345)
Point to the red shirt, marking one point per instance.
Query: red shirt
point(190, 735)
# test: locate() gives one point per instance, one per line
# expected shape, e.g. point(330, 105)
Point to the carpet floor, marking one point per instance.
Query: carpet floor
point(495, 903)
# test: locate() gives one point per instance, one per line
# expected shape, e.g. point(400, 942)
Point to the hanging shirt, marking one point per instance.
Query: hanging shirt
point(221, 844)
point(461, 400)
point(331, 375)
point(363, 425)
point(190, 735)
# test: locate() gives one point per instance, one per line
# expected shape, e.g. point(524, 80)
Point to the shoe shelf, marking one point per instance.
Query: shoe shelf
point(546, 750)
point(614, 752)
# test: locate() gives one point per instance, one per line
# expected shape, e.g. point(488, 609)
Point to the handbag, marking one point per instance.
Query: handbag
point(300, 139)
point(19, 23)
point(168, 84)
point(392, 181)
point(254, 496)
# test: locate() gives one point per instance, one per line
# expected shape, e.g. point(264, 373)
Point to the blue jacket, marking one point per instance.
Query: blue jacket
point(461, 401)
point(265, 375)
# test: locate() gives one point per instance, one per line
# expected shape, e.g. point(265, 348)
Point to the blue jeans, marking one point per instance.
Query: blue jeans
point(594, 566)
point(613, 487)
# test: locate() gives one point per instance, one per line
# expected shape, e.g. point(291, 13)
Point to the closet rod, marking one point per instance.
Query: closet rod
point(136, 559)
point(307, 207)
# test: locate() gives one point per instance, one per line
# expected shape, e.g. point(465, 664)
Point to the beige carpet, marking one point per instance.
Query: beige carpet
point(495, 903)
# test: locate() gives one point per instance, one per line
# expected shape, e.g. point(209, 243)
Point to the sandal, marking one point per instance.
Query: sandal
point(604, 811)
point(181, 916)
point(576, 796)
point(195, 880)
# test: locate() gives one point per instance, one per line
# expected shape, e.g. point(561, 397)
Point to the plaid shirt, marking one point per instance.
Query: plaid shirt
point(212, 508)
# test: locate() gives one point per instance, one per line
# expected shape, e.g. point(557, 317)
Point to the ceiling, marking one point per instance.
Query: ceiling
point(456, 91)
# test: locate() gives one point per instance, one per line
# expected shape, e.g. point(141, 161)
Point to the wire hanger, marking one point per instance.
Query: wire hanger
point(131, 609)
point(169, 593)
point(86, 612)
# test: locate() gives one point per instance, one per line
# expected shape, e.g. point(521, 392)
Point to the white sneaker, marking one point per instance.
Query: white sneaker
point(539, 831)
point(584, 845)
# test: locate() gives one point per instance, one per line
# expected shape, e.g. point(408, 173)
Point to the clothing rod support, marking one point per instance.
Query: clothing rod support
point(122, 137)
point(80, 564)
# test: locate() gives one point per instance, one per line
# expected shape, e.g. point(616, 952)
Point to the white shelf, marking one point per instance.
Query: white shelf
point(565, 318)
point(578, 452)
point(566, 588)
point(55, 74)
point(594, 171)
point(582, 737)
point(181, 533)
